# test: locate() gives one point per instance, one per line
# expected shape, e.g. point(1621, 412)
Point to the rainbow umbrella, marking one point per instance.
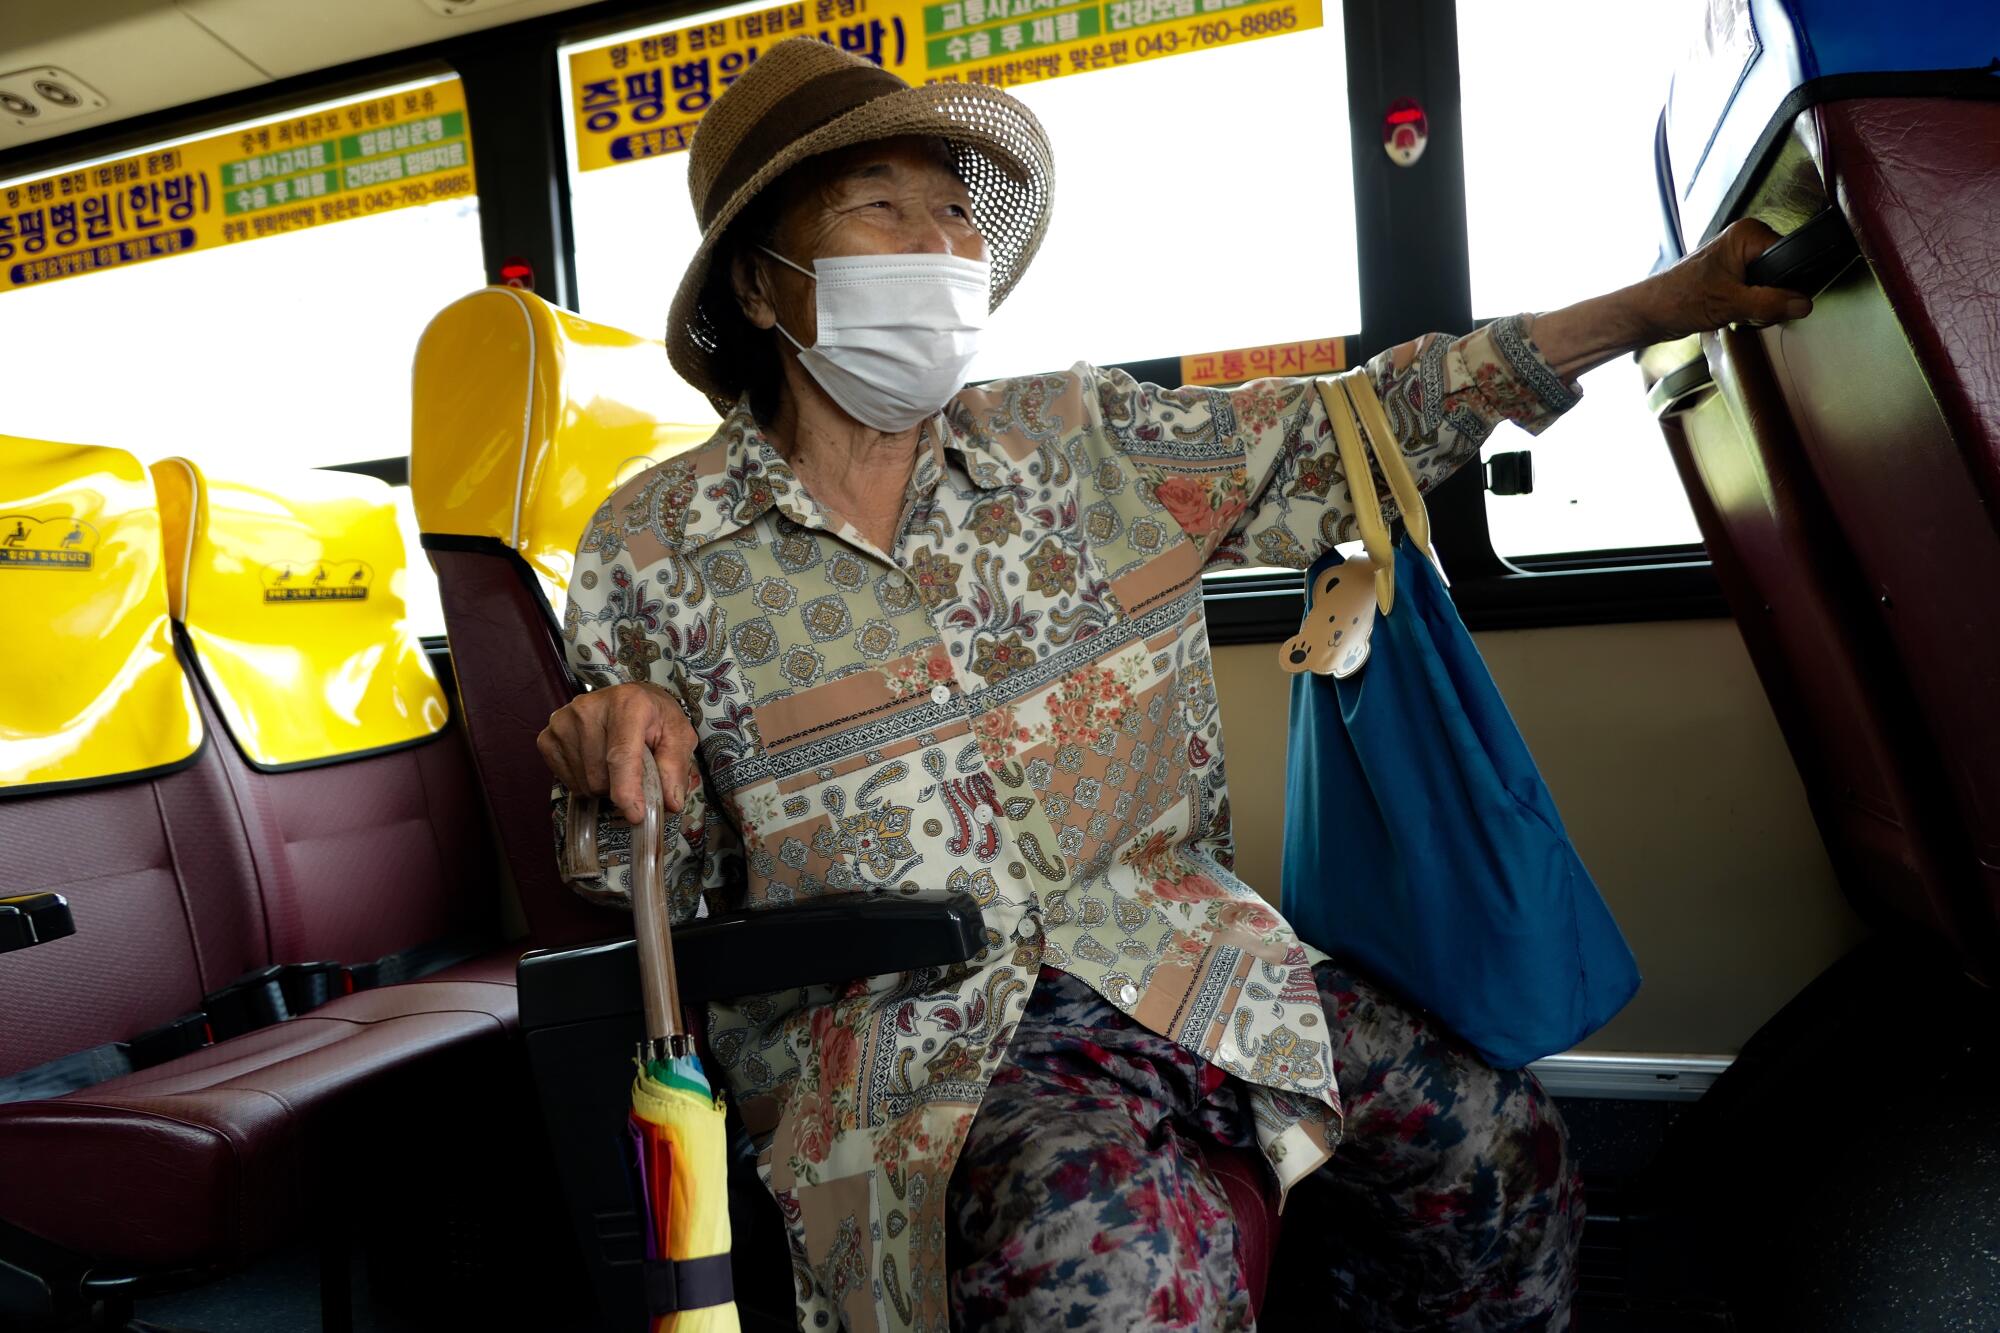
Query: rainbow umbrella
point(680, 1159)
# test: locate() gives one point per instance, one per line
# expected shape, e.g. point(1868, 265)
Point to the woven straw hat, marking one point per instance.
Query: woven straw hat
point(802, 98)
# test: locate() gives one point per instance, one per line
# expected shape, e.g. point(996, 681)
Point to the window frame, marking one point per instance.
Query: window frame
point(1411, 238)
point(1415, 263)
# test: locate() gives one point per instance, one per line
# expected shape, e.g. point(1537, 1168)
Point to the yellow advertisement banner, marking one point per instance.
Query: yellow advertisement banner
point(371, 155)
point(1321, 356)
point(642, 96)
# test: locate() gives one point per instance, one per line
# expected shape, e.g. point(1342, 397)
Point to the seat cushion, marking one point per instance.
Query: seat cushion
point(206, 1158)
point(495, 968)
point(472, 987)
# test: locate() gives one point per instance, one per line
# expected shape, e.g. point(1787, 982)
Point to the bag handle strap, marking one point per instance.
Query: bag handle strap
point(1347, 397)
point(1389, 455)
point(1361, 488)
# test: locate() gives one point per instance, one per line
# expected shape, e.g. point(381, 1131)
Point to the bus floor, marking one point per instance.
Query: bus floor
point(1640, 1274)
point(1842, 1177)
point(281, 1294)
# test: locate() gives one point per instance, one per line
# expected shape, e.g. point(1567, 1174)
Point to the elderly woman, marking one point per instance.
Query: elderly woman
point(923, 638)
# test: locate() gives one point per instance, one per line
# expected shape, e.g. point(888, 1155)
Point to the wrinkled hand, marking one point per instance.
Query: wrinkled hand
point(592, 744)
point(1707, 290)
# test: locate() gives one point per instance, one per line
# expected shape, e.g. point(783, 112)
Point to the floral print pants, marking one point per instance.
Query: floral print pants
point(1080, 1201)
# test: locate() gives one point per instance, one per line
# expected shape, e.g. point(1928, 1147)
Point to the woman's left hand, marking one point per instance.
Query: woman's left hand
point(1704, 291)
point(1707, 289)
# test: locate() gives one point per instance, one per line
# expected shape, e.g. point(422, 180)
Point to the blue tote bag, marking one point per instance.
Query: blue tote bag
point(1421, 843)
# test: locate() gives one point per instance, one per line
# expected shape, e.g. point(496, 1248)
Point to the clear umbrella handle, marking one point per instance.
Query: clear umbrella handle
point(658, 981)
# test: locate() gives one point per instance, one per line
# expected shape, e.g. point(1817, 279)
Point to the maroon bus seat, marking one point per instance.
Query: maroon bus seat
point(207, 1160)
point(361, 848)
point(128, 1143)
point(1894, 385)
point(1845, 712)
point(1892, 389)
point(526, 418)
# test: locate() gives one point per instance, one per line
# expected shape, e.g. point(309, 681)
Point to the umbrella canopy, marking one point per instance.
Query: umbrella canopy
point(680, 1156)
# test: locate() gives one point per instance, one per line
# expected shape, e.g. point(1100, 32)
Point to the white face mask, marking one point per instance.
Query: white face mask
point(896, 332)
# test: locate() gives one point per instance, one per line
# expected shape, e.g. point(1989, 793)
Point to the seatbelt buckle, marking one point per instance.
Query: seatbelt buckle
point(307, 986)
point(271, 995)
point(256, 1000)
point(169, 1041)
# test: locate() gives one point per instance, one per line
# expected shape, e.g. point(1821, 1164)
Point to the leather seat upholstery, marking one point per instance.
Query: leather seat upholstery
point(180, 882)
point(209, 1159)
point(1846, 479)
point(360, 849)
point(202, 1159)
point(526, 417)
point(1827, 668)
point(1894, 387)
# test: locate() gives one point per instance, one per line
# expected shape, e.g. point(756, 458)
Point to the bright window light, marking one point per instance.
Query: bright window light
point(1231, 225)
point(287, 351)
point(1560, 100)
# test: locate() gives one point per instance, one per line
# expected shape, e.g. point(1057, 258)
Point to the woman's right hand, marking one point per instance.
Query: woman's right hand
point(592, 745)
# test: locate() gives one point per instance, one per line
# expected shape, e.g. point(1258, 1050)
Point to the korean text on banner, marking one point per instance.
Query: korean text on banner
point(372, 155)
point(642, 96)
point(1321, 356)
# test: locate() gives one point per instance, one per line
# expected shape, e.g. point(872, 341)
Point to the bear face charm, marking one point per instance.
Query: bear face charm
point(1339, 621)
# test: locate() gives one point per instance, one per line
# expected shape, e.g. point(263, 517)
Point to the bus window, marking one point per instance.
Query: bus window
point(1204, 199)
point(1560, 100)
point(247, 297)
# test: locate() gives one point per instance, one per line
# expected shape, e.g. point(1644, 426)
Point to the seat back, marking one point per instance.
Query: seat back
point(358, 797)
point(526, 418)
point(109, 792)
point(1893, 389)
point(1845, 711)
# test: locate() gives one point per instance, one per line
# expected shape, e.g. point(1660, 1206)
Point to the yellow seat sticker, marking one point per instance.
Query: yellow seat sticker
point(90, 687)
point(291, 592)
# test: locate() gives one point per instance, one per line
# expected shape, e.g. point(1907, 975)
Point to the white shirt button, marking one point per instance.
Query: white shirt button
point(1028, 929)
point(940, 695)
point(982, 814)
point(1227, 1051)
point(1128, 995)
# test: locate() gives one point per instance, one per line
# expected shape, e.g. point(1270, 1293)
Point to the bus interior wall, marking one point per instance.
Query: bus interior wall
point(1674, 781)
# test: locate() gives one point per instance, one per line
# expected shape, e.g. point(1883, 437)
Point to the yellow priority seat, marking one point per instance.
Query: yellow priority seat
point(291, 593)
point(527, 417)
point(90, 688)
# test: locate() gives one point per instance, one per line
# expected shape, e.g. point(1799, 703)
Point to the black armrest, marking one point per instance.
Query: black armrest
point(33, 918)
point(748, 953)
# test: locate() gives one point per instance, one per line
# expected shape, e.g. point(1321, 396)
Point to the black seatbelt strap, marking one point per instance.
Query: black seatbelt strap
point(286, 990)
point(416, 963)
point(258, 999)
point(673, 1285)
point(113, 1059)
point(271, 995)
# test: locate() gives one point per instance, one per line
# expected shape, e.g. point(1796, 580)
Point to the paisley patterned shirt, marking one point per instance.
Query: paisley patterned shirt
point(1015, 702)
